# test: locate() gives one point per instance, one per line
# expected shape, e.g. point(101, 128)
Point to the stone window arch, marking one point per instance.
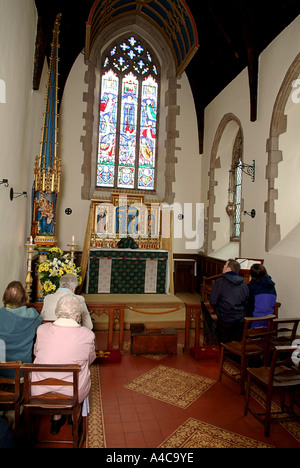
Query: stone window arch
point(166, 159)
point(278, 127)
point(231, 124)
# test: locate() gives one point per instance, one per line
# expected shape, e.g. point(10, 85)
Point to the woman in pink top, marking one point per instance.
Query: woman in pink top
point(65, 342)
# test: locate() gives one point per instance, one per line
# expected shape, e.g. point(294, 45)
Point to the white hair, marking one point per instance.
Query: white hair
point(69, 281)
point(69, 307)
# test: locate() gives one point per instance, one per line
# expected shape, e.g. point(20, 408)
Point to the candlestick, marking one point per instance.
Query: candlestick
point(29, 280)
point(72, 248)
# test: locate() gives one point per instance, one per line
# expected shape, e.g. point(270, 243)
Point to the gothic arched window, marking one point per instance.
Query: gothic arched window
point(127, 145)
point(238, 200)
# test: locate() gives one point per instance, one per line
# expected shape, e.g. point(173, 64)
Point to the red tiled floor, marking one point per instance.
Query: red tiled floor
point(147, 422)
point(134, 420)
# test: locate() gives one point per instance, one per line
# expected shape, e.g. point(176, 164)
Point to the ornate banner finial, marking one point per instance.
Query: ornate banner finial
point(47, 165)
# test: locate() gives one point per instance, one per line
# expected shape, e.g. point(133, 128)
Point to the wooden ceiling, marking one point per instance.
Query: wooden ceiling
point(231, 36)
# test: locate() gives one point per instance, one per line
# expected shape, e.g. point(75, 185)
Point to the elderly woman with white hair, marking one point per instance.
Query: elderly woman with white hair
point(65, 341)
point(67, 285)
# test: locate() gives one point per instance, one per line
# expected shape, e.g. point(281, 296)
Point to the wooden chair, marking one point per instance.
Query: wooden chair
point(207, 284)
point(10, 391)
point(281, 374)
point(255, 342)
point(53, 402)
point(285, 330)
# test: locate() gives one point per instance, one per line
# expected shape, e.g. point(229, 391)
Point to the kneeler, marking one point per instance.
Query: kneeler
point(109, 356)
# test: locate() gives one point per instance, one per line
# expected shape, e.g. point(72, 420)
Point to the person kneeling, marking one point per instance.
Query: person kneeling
point(65, 341)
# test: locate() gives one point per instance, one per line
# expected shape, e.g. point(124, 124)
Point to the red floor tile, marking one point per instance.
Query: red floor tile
point(134, 420)
point(147, 422)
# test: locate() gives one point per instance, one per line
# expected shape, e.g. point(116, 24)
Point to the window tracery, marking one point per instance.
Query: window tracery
point(127, 145)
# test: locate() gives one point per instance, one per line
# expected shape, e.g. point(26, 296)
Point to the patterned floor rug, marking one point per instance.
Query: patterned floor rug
point(95, 424)
point(170, 385)
point(197, 434)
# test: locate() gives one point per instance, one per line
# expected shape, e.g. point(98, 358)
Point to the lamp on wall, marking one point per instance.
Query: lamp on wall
point(13, 195)
point(252, 213)
point(248, 169)
point(231, 205)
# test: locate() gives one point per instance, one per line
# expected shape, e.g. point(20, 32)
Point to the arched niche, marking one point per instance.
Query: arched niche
point(219, 224)
point(283, 109)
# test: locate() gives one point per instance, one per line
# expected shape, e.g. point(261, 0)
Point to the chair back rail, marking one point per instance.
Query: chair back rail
point(53, 402)
point(10, 390)
point(255, 342)
point(282, 374)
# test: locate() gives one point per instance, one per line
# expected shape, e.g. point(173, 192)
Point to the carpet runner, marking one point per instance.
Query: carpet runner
point(95, 437)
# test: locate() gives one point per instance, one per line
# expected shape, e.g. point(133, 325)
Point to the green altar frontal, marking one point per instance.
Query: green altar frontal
point(128, 271)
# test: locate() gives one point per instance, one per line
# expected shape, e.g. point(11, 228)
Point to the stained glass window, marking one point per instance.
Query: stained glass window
point(127, 149)
point(238, 199)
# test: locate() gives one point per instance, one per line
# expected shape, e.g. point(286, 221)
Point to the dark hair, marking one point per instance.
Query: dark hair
point(234, 265)
point(257, 271)
point(15, 294)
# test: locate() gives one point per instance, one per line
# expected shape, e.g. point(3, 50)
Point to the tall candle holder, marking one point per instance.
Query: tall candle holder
point(73, 247)
point(28, 281)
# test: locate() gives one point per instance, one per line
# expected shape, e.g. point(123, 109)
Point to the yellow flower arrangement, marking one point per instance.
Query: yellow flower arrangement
point(54, 267)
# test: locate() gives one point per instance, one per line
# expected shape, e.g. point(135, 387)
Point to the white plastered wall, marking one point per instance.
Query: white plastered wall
point(284, 257)
point(21, 120)
point(21, 114)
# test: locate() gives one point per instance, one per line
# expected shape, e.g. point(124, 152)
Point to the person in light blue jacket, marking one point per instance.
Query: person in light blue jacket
point(18, 325)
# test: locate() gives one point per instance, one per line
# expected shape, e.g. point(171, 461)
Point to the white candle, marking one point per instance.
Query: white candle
point(31, 239)
point(73, 239)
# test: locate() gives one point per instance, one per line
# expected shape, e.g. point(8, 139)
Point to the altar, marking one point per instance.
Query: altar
point(128, 271)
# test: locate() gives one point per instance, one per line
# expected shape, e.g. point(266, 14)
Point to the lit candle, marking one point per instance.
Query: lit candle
point(31, 239)
point(73, 239)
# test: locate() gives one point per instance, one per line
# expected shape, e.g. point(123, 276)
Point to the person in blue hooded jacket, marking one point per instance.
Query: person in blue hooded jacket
point(262, 293)
point(229, 297)
point(18, 325)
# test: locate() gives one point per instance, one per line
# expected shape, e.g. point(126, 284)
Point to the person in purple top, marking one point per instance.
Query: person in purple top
point(262, 293)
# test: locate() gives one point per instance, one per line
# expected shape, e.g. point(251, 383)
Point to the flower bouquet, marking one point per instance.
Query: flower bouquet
point(53, 268)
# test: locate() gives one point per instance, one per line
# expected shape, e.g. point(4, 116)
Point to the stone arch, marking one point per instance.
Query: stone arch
point(215, 163)
point(278, 127)
point(167, 145)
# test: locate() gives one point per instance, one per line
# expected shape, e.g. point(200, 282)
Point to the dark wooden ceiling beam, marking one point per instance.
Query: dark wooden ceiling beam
point(253, 70)
point(249, 35)
point(223, 31)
